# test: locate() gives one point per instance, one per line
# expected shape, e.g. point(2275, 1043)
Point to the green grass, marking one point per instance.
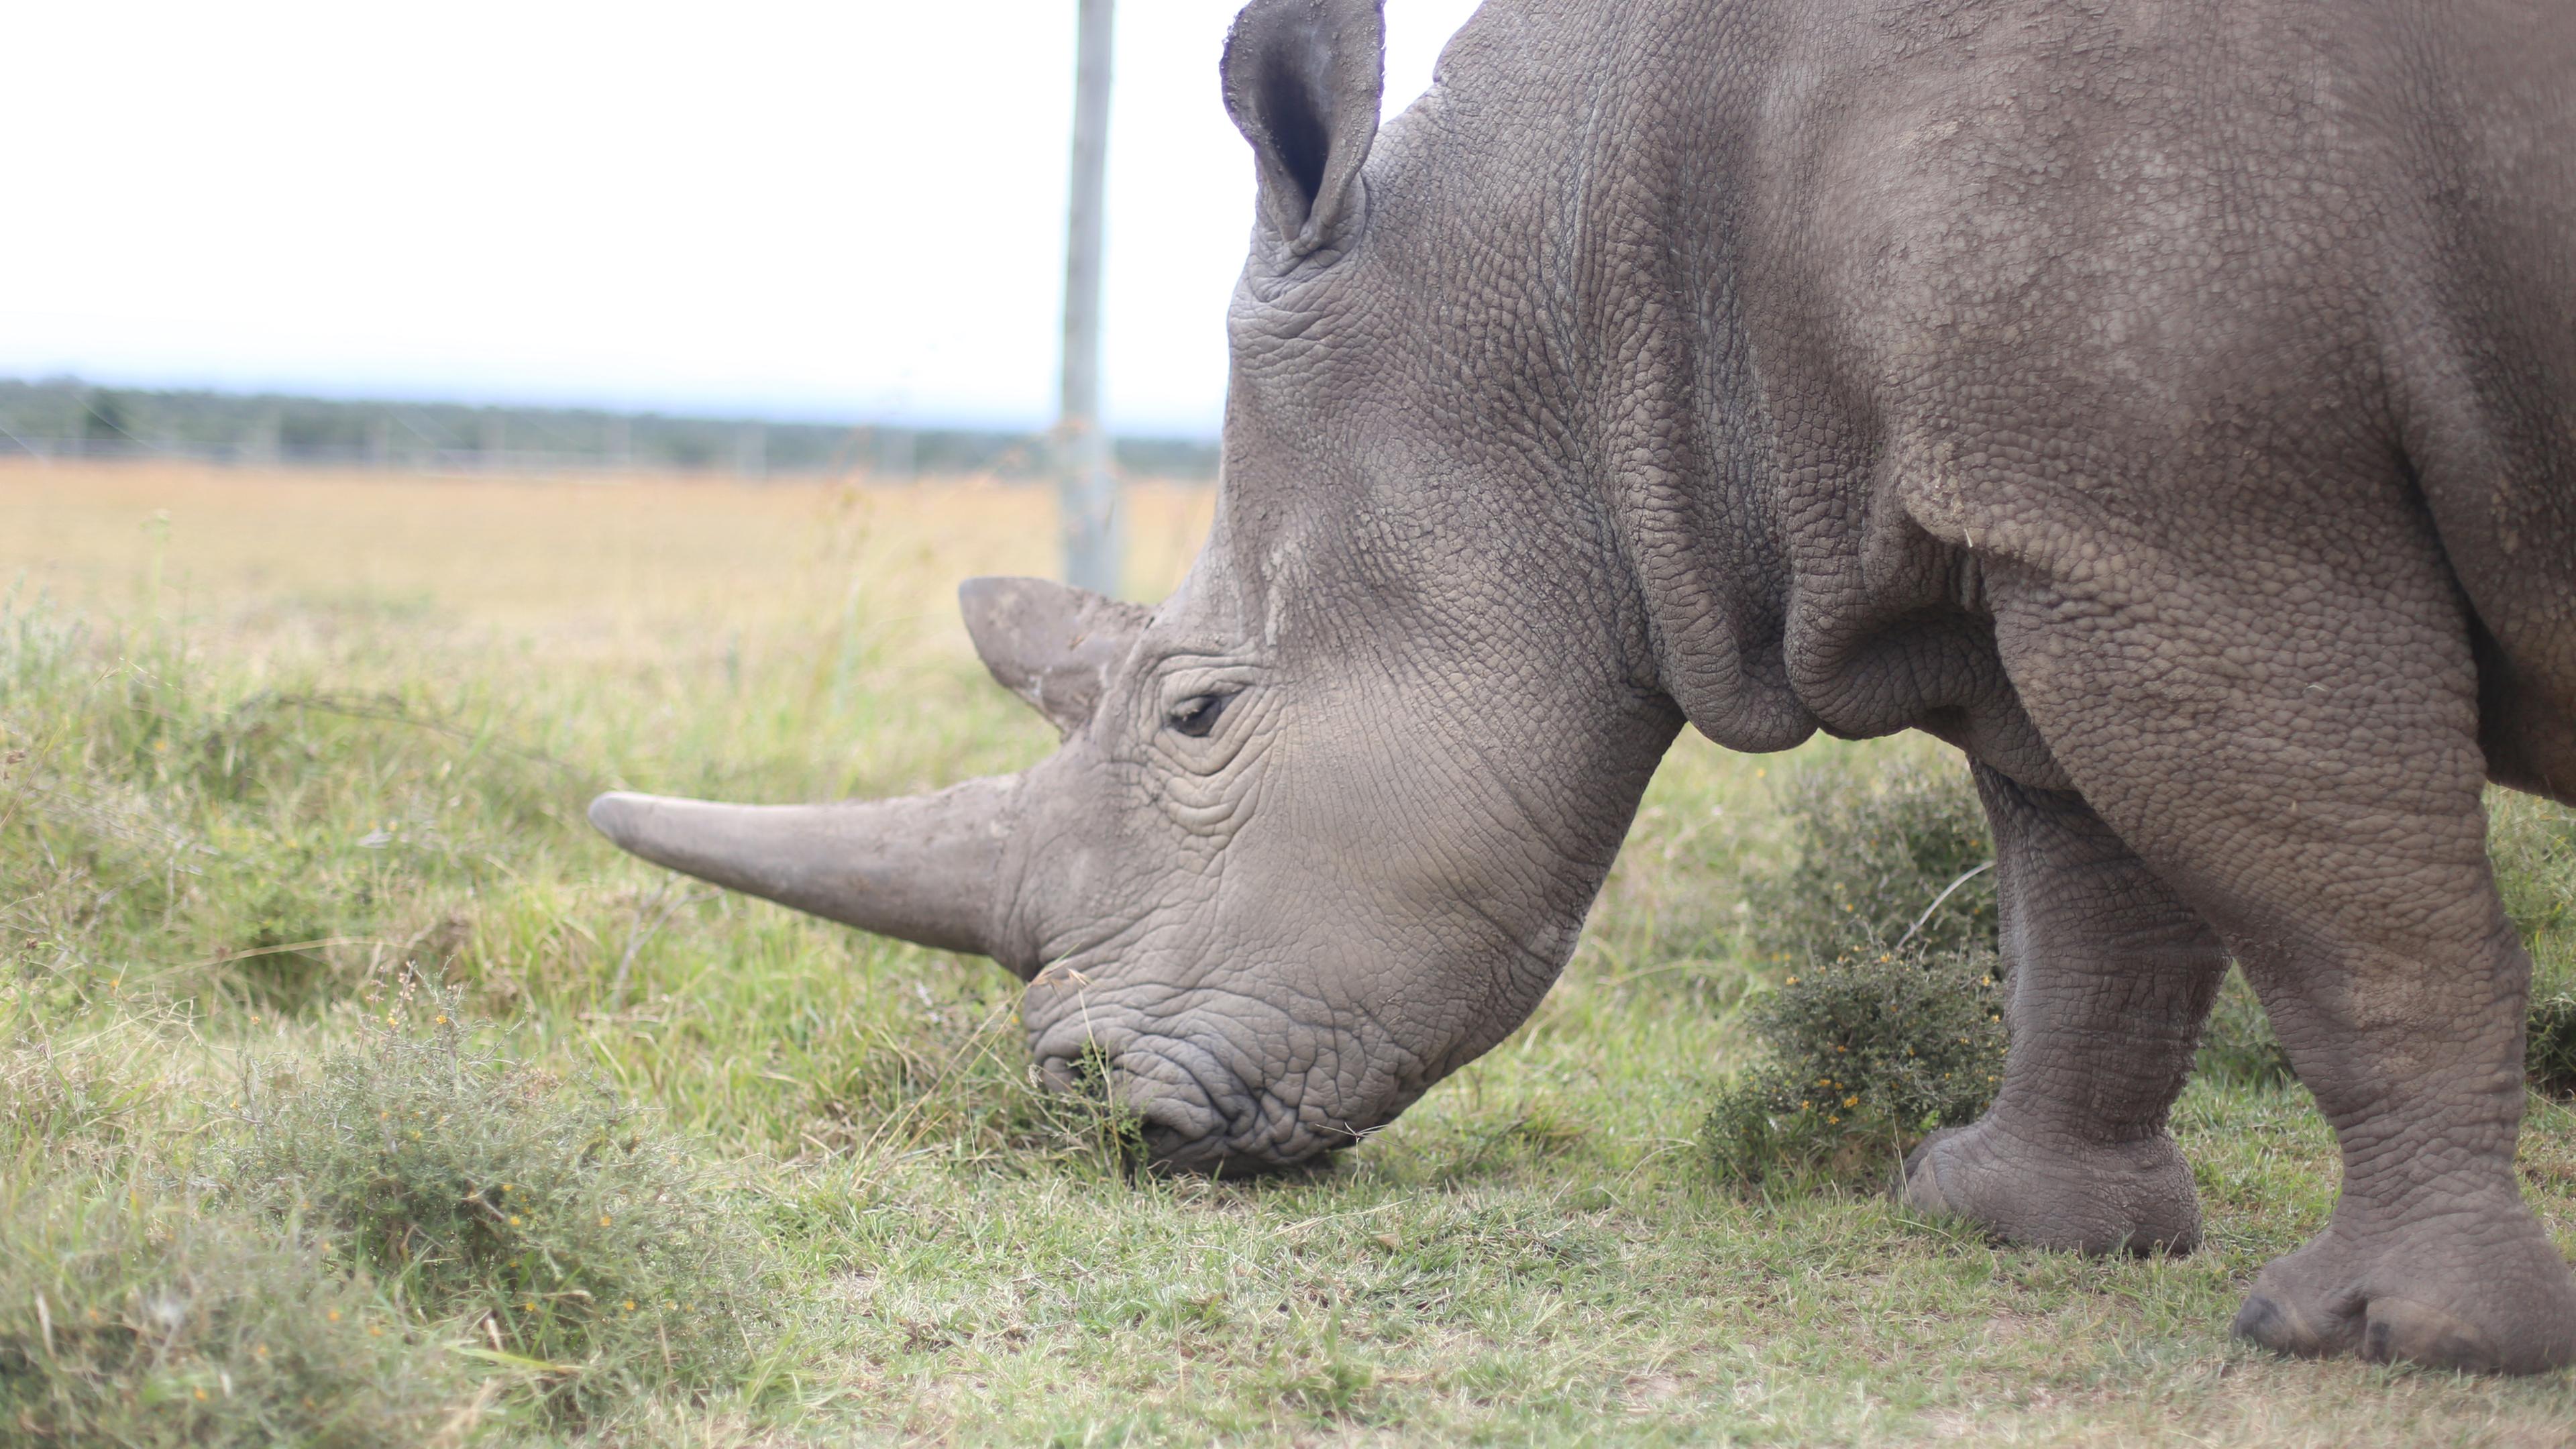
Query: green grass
point(594, 1255)
point(222, 826)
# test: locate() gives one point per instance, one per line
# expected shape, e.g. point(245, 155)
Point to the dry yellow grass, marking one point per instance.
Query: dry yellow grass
point(597, 568)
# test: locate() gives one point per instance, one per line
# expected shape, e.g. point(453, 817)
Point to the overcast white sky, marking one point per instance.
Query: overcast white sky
point(849, 210)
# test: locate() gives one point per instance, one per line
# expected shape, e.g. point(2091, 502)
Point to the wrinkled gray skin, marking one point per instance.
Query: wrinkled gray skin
point(2173, 406)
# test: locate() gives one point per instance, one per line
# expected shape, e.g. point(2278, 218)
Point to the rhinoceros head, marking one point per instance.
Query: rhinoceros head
point(1325, 824)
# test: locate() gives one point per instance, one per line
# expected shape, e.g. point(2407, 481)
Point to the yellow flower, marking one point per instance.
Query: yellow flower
point(630, 1305)
point(1852, 1101)
point(335, 1315)
point(603, 1220)
point(514, 1220)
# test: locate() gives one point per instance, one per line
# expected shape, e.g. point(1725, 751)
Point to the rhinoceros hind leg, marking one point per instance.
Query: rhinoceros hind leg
point(2111, 977)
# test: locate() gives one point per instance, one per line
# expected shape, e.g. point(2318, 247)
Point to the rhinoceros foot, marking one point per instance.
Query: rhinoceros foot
point(2479, 1289)
point(2133, 1196)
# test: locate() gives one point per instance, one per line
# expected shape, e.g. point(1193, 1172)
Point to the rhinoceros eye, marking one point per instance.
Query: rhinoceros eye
point(1198, 715)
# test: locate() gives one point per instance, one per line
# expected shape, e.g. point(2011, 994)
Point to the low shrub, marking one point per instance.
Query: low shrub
point(567, 1243)
point(1898, 858)
point(1887, 1022)
point(1865, 1055)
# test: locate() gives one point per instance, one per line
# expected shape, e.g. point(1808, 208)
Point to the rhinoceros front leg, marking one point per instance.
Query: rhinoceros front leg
point(2291, 744)
point(2111, 978)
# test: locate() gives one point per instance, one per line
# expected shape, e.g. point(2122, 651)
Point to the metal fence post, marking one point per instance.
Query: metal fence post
point(1086, 491)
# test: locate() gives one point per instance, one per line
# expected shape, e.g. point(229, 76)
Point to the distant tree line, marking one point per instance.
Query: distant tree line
point(62, 416)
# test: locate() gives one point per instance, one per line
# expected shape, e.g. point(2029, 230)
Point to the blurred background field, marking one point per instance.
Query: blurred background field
point(269, 561)
point(361, 1095)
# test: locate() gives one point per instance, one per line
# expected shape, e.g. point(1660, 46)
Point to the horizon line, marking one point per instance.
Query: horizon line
point(704, 410)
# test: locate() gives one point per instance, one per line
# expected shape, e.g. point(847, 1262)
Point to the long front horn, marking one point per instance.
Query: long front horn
point(923, 868)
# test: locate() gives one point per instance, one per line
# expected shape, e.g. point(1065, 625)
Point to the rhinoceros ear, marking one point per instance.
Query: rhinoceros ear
point(1302, 80)
point(1050, 644)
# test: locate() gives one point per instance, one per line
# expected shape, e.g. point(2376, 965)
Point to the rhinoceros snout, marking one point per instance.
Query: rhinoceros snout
point(1192, 1112)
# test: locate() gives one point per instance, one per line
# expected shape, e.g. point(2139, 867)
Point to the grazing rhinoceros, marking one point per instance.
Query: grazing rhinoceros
point(2171, 405)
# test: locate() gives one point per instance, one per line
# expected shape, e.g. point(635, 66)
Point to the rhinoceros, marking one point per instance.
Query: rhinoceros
point(2170, 405)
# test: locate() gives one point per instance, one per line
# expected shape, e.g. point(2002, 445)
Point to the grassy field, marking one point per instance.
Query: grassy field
point(359, 1094)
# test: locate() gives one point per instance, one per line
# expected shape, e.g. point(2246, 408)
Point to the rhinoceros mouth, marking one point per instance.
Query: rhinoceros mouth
point(1193, 1113)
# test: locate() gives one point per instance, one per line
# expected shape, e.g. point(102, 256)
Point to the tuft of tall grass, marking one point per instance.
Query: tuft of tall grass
point(136, 1318)
point(555, 1232)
